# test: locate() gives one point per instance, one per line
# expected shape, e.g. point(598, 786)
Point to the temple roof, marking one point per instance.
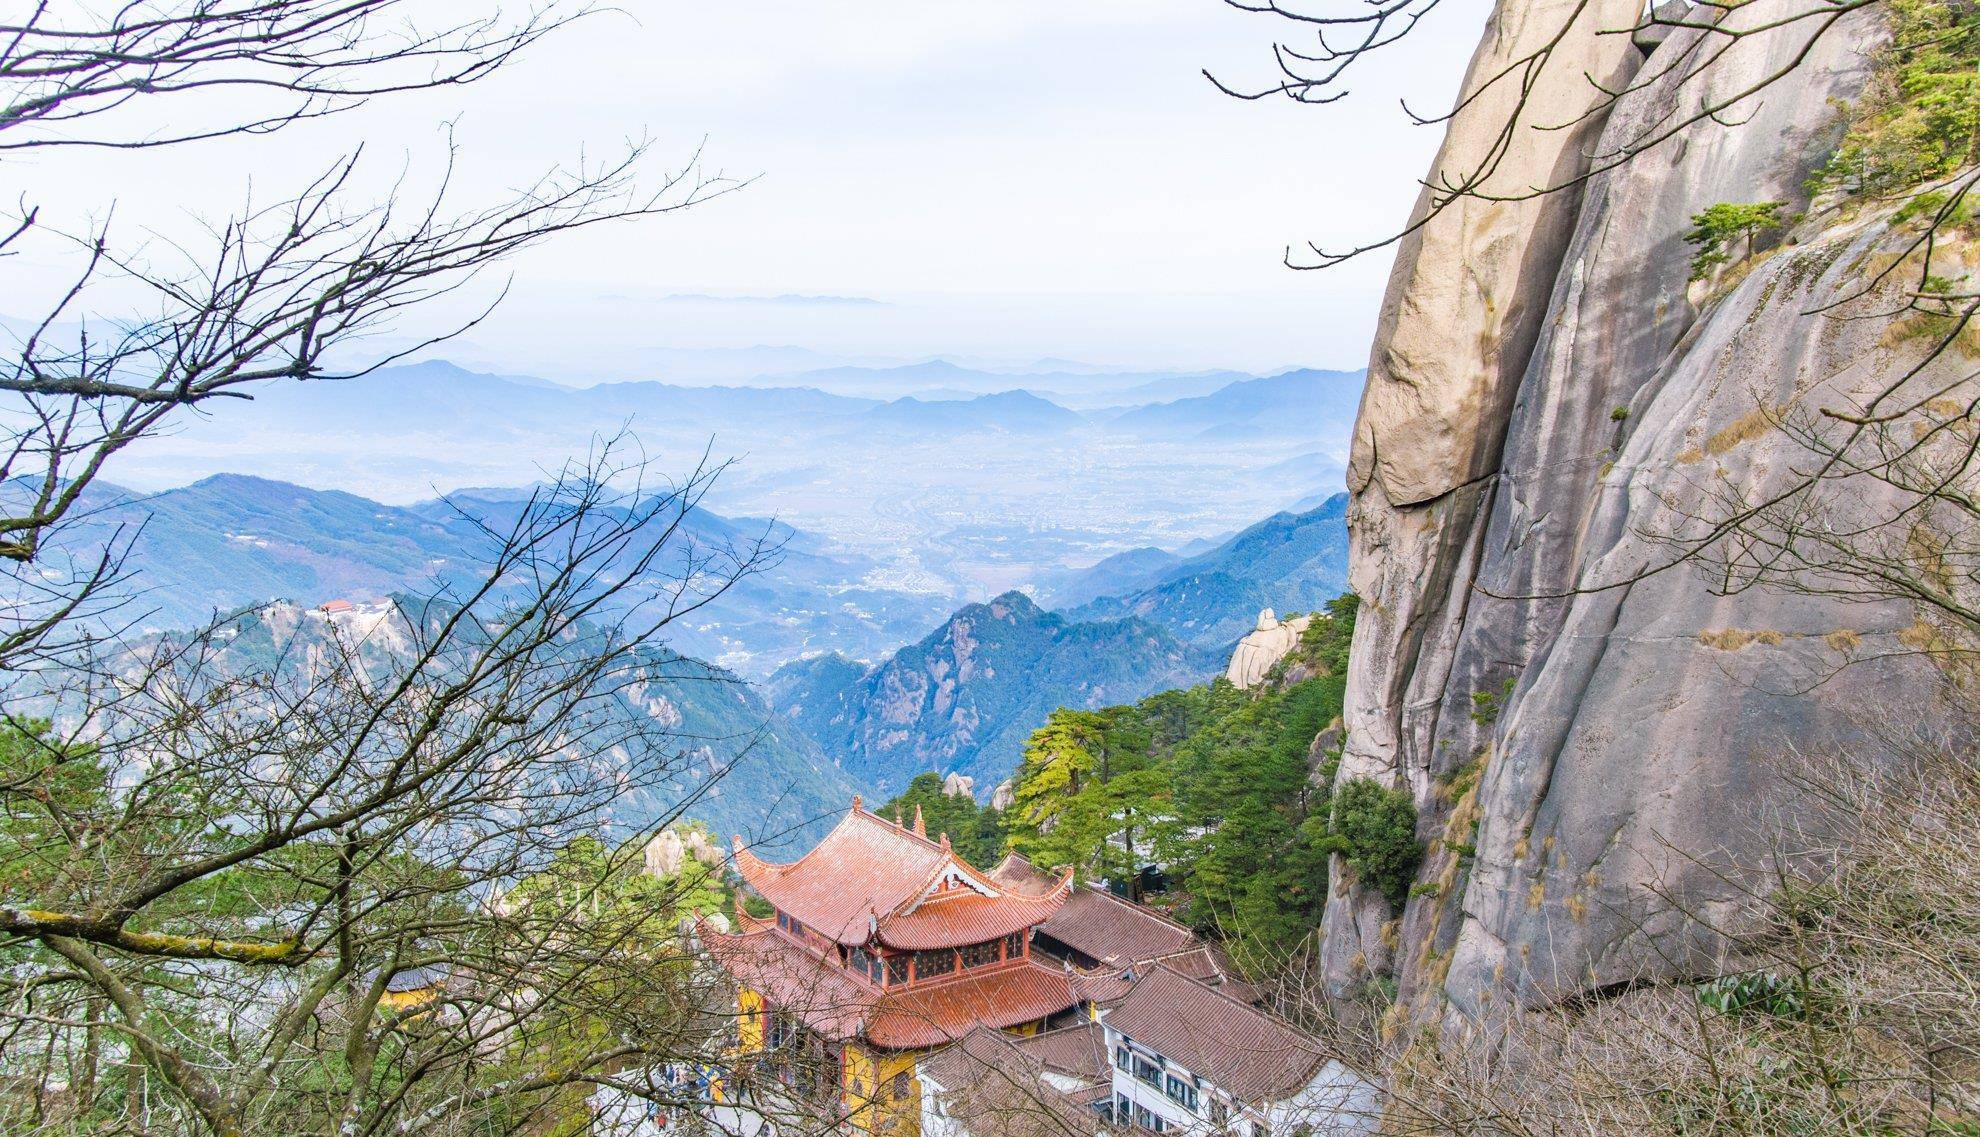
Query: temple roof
point(1253, 1055)
point(873, 879)
point(832, 1002)
point(1111, 929)
point(991, 1086)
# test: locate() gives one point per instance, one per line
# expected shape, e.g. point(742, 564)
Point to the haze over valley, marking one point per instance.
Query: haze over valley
point(894, 494)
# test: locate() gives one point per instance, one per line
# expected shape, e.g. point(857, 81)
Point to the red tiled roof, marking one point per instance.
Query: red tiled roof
point(964, 917)
point(870, 878)
point(835, 1004)
point(1255, 1056)
point(1017, 873)
point(1095, 922)
point(992, 1087)
point(1207, 963)
point(827, 998)
point(1079, 1051)
point(940, 1012)
point(1102, 986)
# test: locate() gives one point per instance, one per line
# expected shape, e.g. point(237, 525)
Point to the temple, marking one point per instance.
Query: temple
point(884, 945)
point(918, 995)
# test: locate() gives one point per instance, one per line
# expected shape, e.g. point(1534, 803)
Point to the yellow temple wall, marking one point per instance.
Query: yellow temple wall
point(749, 1021)
point(869, 1106)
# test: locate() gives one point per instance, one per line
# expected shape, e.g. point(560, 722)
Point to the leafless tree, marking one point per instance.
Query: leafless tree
point(1337, 38)
point(290, 872)
point(1847, 1006)
point(305, 873)
point(272, 291)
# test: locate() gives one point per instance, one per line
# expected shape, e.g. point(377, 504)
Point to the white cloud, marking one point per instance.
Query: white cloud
point(1025, 177)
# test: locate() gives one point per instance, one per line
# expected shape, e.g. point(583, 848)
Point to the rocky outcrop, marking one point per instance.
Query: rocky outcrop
point(1591, 727)
point(1263, 647)
point(669, 849)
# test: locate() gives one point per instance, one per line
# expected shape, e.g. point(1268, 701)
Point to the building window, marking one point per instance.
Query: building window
point(1261, 1129)
point(976, 955)
point(1181, 1092)
point(864, 962)
point(931, 963)
point(1014, 945)
point(1121, 1060)
point(1148, 1119)
point(1220, 1114)
point(1146, 1071)
point(783, 921)
point(897, 969)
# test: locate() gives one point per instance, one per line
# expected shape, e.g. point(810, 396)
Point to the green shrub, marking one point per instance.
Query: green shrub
point(1919, 116)
point(1374, 827)
point(1716, 231)
point(1486, 705)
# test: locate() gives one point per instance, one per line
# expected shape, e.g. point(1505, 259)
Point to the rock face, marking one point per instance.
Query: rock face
point(1265, 645)
point(1544, 399)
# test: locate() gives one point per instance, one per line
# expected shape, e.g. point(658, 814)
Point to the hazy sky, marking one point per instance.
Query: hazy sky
point(1010, 180)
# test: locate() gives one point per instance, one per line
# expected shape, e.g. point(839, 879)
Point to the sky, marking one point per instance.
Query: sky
point(994, 182)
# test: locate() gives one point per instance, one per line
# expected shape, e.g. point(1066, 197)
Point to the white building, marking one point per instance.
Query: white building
point(1188, 1058)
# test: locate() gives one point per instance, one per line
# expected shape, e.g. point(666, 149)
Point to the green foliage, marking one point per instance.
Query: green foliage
point(1919, 116)
point(976, 832)
point(1374, 827)
point(611, 886)
point(1755, 992)
point(1716, 231)
point(1486, 705)
point(1619, 414)
point(1211, 782)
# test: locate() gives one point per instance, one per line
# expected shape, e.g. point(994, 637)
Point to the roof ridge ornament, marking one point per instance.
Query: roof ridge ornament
point(855, 803)
point(920, 829)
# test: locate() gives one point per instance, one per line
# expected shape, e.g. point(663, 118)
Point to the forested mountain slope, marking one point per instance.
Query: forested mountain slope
point(1289, 561)
point(965, 697)
point(738, 766)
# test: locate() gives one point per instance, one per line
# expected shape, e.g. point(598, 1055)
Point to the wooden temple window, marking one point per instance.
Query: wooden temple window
point(1014, 945)
point(897, 969)
point(867, 964)
point(928, 964)
point(976, 955)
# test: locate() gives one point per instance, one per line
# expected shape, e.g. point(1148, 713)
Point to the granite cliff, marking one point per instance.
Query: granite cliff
point(1585, 730)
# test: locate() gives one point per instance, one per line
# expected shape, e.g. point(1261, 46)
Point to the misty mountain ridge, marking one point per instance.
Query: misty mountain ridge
point(966, 696)
point(233, 540)
point(1291, 561)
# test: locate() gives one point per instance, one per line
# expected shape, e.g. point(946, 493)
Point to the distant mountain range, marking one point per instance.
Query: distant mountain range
point(232, 540)
point(775, 785)
point(1017, 412)
point(1314, 404)
point(1292, 562)
point(966, 697)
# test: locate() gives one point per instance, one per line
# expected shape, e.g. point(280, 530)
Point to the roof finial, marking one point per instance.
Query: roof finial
point(855, 803)
point(898, 823)
point(945, 839)
point(920, 830)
